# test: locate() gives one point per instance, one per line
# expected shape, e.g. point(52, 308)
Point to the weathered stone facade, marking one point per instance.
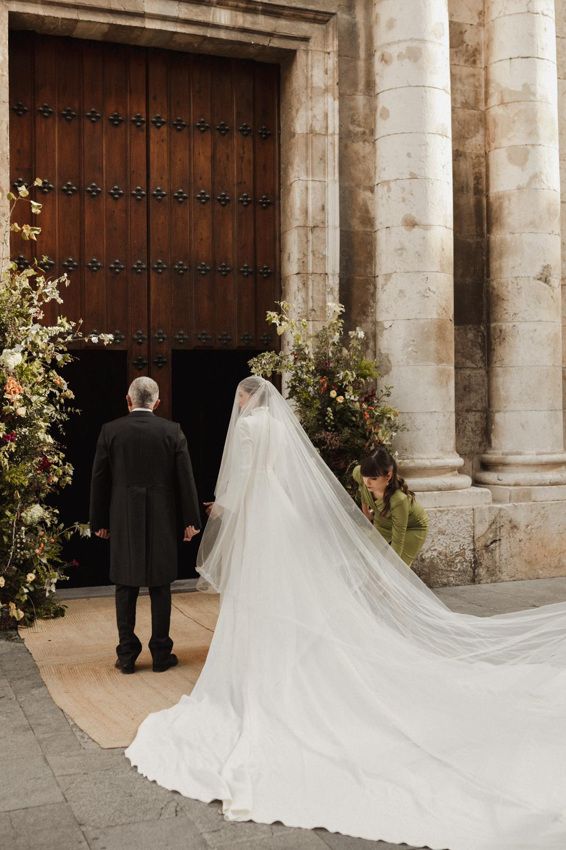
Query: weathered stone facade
point(422, 148)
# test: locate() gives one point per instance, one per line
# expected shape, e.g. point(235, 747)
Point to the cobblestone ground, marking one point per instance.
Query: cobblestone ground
point(60, 791)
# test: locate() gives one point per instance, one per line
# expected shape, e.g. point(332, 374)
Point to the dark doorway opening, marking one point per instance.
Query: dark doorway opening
point(99, 381)
point(204, 385)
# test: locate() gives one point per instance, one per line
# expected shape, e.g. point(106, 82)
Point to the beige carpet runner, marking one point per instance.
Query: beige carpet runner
point(76, 653)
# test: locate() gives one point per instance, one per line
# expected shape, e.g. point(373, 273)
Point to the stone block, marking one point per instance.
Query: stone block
point(417, 341)
point(408, 63)
point(357, 254)
point(469, 127)
point(419, 110)
point(526, 168)
point(421, 20)
point(357, 163)
point(447, 557)
point(414, 203)
point(512, 431)
point(471, 390)
point(357, 209)
point(521, 79)
point(412, 156)
point(465, 11)
point(422, 249)
point(527, 388)
point(470, 347)
point(466, 44)
point(27, 781)
point(357, 117)
point(517, 124)
point(519, 541)
point(515, 299)
point(176, 833)
point(422, 389)
point(46, 827)
point(511, 344)
point(469, 216)
point(526, 210)
point(468, 88)
point(431, 428)
point(404, 295)
point(471, 434)
point(530, 255)
point(520, 34)
point(501, 8)
point(356, 75)
point(469, 167)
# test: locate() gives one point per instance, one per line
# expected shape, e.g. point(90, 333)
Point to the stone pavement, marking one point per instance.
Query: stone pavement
point(60, 791)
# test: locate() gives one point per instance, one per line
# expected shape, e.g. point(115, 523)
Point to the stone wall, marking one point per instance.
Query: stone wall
point(387, 146)
point(470, 246)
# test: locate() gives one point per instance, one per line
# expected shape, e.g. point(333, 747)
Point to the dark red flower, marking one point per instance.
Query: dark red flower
point(10, 437)
point(44, 464)
point(75, 563)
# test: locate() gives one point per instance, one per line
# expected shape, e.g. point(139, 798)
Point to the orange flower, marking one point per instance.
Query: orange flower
point(13, 389)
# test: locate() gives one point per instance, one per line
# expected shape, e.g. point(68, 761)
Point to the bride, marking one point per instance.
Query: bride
point(339, 692)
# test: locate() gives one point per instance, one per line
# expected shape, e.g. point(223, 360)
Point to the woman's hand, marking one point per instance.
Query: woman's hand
point(367, 511)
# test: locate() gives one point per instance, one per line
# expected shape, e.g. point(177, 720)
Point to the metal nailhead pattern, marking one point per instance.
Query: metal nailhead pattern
point(180, 196)
point(46, 187)
point(138, 193)
point(158, 121)
point(93, 190)
point(138, 120)
point(139, 267)
point(94, 265)
point(246, 270)
point(116, 119)
point(116, 192)
point(20, 108)
point(160, 335)
point(179, 124)
point(160, 361)
point(159, 266)
point(224, 269)
point(180, 267)
point(245, 199)
point(181, 337)
point(139, 362)
point(202, 197)
point(202, 125)
point(116, 266)
point(46, 110)
point(139, 336)
point(159, 193)
point(203, 268)
point(68, 114)
point(93, 115)
point(70, 264)
point(69, 189)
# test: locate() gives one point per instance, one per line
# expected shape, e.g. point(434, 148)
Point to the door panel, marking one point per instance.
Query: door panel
point(160, 175)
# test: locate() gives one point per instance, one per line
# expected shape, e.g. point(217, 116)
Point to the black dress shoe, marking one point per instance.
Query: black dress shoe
point(162, 666)
point(125, 668)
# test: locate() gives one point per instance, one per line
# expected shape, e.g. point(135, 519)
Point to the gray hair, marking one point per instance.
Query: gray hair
point(143, 392)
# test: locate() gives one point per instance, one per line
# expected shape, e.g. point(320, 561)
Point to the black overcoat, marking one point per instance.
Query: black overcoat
point(143, 490)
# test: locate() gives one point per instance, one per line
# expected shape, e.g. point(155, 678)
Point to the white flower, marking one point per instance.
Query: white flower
point(333, 393)
point(340, 399)
point(21, 411)
point(10, 358)
point(15, 612)
point(2, 581)
point(33, 514)
point(30, 577)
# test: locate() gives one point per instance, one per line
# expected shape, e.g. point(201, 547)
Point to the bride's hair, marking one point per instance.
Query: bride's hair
point(252, 384)
point(379, 463)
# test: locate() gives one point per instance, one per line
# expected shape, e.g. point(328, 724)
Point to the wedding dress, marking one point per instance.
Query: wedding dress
point(338, 691)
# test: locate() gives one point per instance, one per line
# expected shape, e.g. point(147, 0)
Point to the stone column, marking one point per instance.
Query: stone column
point(414, 238)
point(525, 384)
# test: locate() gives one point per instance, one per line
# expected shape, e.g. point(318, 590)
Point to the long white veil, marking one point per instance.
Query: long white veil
point(338, 691)
point(266, 438)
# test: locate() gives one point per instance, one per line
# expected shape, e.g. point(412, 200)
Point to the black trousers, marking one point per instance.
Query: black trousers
point(160, 644)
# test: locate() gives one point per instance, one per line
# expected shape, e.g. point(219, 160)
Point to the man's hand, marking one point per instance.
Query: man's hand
point(208, 506)
point(103, 533)
point(190, 532)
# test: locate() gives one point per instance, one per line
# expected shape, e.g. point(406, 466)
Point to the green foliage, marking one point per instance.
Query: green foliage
point(333, 386)
point(34, 404)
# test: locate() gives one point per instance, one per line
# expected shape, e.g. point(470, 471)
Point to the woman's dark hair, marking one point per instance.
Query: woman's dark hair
point(379, 463)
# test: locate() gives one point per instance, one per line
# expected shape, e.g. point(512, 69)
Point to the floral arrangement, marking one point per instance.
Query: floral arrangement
point(333, 386)
point(34, 404)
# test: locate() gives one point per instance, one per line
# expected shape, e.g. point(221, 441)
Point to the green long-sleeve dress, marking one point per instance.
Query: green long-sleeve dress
point(406, 525)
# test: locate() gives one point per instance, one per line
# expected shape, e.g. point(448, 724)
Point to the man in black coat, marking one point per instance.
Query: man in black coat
point(142, 497)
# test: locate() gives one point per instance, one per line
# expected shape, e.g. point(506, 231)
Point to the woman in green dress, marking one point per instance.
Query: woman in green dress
point(389, 504)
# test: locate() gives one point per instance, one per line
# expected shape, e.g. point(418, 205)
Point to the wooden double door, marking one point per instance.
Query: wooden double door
point(160, 192)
